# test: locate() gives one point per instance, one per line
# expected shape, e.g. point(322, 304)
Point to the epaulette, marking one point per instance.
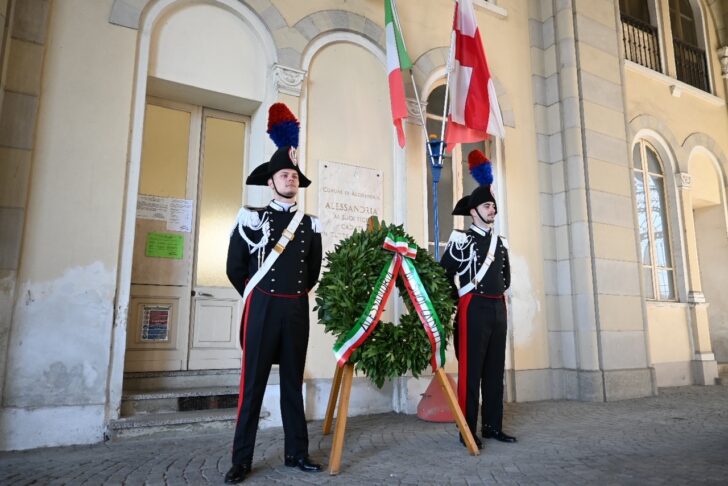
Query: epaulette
point(248, 217)
point(315, 223)
point(504, 241)
point(458, 237)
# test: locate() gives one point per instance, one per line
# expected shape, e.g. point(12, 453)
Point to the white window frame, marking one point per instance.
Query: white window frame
point(656, 296)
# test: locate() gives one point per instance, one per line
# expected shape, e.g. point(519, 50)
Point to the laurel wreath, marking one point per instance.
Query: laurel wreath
point(350, 274)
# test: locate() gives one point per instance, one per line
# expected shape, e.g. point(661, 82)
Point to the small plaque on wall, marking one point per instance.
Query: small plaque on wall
point(155, 322)
point(348, 196)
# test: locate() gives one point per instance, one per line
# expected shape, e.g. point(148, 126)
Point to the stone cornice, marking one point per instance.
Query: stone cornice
point(723, 56)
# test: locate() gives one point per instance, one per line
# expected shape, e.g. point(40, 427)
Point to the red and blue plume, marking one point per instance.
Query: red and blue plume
point(283, 127)
point(480, 168)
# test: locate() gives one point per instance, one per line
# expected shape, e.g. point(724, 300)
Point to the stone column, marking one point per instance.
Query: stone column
point(705, 368)
point(23, 49)
point(597, 261)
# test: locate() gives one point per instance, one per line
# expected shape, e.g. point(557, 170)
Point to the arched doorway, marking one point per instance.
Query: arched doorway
point(711, 231)
point(197, 99)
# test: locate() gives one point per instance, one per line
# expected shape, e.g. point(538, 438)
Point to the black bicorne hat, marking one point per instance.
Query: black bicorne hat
point(482, 172)
point(283, 129)
point(283, 158)
point(480, 195)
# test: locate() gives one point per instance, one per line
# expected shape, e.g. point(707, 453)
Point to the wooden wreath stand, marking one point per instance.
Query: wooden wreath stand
point(345, 374)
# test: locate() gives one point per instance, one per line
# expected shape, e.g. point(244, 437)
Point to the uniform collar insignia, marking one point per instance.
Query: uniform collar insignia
point(283, 207)
point(479, 230)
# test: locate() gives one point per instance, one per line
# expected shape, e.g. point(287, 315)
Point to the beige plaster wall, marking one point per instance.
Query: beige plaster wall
point(523, 211)
point(712, 236)
point(348, 121)
point(207, 47)
point(647, 94)
point(67, 276)
point(669, 343)
point(705, 183)
point(81, 144)
point(669, 332)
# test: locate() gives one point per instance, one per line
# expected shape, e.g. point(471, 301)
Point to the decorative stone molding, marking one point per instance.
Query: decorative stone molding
point(684, 180)
point(696, 297)
point(723, 56)
point(127, 13)
point(413, 114)
point(288, 80)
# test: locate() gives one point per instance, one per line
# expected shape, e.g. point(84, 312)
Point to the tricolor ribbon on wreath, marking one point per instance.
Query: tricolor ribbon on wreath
point(404, 253)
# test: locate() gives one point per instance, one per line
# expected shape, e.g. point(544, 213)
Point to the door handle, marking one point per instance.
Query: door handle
point(205, 294)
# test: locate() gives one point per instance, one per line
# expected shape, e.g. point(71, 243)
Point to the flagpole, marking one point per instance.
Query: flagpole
point(395, 13)
point(441, 151)
point(449, 70)
point(436, 164)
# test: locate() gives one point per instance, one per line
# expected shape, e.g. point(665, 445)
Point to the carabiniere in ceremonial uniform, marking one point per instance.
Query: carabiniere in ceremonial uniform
point(274, 259)
point(476, 262)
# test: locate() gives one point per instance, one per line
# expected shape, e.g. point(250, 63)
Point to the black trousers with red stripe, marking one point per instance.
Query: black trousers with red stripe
point(480, 346)
point(275, 329)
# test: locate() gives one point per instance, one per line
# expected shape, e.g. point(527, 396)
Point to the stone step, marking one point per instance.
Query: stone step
point(140, 425)
point(180, 380)
point(138, 402)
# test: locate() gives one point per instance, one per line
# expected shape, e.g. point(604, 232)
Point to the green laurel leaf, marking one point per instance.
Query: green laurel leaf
point(350, 273)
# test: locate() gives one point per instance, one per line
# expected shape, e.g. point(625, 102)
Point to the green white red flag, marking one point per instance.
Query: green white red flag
point(397, 61)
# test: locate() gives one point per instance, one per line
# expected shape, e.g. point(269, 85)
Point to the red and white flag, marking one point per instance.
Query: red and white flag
point(474, 111)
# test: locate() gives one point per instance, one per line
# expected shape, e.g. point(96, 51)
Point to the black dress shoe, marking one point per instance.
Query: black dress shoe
point(237, 473)
point(303, 463)
point(491, 433)
point(478, 443)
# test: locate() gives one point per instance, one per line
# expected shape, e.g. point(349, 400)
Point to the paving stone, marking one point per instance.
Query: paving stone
point(678, 437)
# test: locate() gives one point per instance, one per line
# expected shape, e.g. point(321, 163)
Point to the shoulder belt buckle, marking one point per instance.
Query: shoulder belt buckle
point(288, 234)
point(279, 248)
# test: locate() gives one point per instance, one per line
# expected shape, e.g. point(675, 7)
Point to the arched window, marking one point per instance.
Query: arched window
point(682, 20)
point(655, 252)
point(637, 9)
point(455, 179)
point(690, 59)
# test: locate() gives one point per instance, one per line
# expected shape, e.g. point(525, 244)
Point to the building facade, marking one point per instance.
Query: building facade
point(127, 128)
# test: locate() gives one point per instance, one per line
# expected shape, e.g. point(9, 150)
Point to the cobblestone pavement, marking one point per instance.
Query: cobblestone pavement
point(679, 437)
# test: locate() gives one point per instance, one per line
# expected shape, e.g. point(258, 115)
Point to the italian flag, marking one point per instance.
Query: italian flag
point(397, 60)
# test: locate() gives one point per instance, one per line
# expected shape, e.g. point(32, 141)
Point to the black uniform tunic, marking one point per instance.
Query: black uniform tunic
point(481, 324)
point(275, 322)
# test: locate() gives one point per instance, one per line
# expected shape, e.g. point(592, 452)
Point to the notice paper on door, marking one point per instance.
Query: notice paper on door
point(155, 322)
point(152, 207)
point(165, 245)
point(180, 215)
point(176, 212)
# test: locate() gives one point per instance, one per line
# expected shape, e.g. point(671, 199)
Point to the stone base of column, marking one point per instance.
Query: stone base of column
point(625, 384)
point(589, 385)
point(705, 370)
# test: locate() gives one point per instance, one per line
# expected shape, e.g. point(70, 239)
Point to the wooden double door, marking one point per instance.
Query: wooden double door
point(183, 313)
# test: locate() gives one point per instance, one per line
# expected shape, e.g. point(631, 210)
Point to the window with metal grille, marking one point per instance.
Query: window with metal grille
point(691, 62)
point(639, 34)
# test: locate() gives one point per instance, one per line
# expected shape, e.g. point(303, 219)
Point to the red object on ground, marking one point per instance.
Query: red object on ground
point(433, 407)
